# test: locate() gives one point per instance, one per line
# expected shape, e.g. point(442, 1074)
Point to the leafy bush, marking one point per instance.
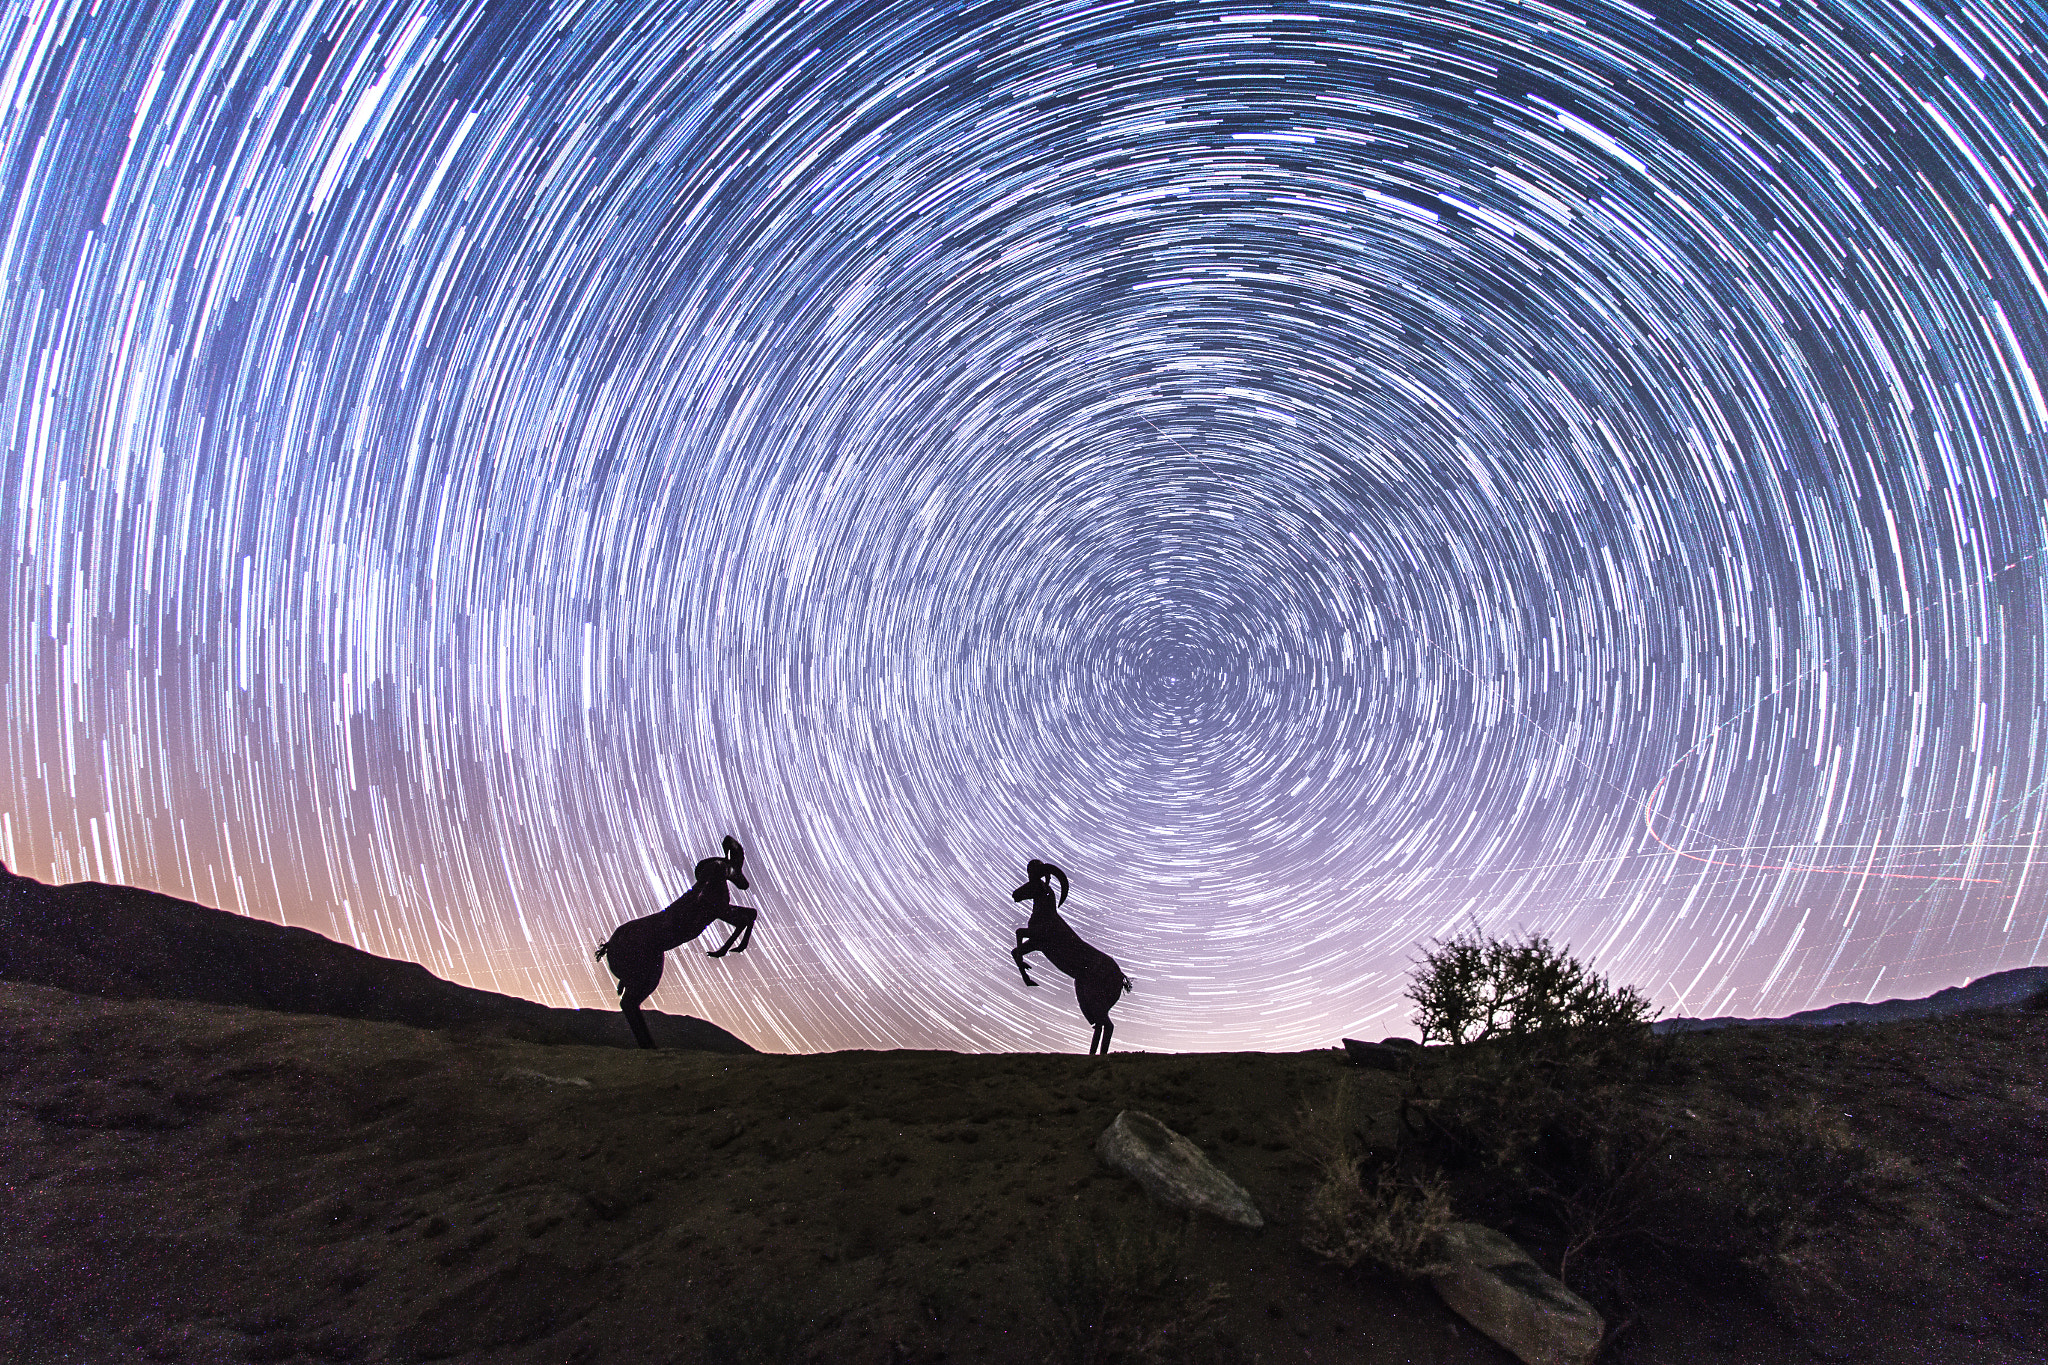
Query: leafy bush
point(1544, 1116)
point(1473, 988)
point(1557, 1116)
point(1535, 1117)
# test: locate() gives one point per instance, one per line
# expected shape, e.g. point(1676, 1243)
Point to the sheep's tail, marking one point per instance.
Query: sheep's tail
point(602, 949)
point(1127, 984)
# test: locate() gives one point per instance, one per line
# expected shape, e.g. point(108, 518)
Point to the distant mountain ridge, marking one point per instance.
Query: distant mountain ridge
point(127, 943)
point(2014, 989)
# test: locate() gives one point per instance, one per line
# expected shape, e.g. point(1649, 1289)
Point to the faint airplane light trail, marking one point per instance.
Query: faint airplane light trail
point(1649, 805)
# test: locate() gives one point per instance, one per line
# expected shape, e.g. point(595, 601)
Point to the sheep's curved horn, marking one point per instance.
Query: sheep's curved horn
point(735, 860)
point(1063, 880)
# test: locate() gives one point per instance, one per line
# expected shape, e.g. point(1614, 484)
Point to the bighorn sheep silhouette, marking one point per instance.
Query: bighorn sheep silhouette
point(635, 951)
point(1098, 982)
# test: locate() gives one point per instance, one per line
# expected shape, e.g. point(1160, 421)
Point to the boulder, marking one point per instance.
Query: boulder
point(1173, 1170)
point(1389, 1054)
point(1499, 1290)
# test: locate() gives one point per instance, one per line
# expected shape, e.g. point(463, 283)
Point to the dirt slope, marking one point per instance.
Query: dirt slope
point(198, 1182)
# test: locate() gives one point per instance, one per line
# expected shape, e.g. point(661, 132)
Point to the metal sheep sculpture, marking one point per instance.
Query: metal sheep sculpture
point(1098, 982)
point(636, 950)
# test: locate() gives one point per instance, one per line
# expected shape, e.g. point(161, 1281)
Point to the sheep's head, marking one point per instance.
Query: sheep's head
point(726, 869)
point(1038, 871)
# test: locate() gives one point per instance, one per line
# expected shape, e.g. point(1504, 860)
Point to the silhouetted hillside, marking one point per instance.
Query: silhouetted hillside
point(121, 942)
point(2021, 987)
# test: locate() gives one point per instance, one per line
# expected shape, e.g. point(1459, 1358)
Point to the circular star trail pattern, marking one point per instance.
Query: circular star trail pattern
point(1328, 477)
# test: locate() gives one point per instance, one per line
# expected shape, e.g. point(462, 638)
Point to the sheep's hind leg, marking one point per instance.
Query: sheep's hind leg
point(629, 1005)
point(635, 987)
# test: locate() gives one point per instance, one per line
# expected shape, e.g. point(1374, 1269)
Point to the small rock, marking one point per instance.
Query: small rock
point(1989, 1205)
point(1172, 1169)
point(521, 1073)
point(1498, 1289)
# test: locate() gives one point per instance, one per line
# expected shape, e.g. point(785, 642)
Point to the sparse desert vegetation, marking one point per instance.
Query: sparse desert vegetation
point(1648, 1172)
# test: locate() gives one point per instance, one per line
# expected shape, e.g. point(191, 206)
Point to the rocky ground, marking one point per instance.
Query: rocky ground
point(202, 1182)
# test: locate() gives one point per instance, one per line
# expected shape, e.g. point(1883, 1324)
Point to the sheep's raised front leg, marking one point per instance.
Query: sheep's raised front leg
point(1024, 945)
point(743, 931)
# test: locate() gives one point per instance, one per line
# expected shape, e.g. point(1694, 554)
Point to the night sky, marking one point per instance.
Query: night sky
point(1328, 477)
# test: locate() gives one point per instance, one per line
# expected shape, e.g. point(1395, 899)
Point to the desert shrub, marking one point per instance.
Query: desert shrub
point(1535, 1118)
point(1117, 1293)
point(1545, 1055)
point(1360, 1210)
point(1474, 988)
point(1537, 1139)
point(1551, 1117)
point(1802, 1172)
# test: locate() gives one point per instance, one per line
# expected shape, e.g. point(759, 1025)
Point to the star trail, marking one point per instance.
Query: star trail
point(1326, 476)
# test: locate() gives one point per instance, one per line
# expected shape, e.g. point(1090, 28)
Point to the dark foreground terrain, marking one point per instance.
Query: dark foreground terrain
point(197, 1182)
point(456, 1175)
